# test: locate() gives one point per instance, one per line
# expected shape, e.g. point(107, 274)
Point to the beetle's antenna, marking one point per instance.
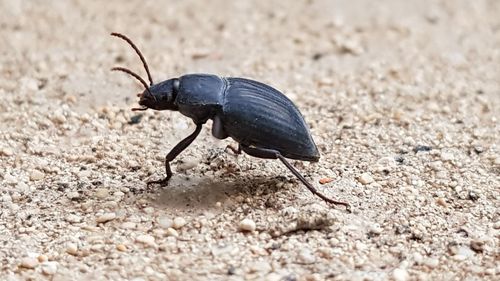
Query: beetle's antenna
point(119, 35)
point(136, 76)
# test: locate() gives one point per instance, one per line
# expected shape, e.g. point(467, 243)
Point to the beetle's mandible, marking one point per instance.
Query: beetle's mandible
point(264, 122)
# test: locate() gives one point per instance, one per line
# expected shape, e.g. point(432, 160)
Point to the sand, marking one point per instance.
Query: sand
point(403, 101)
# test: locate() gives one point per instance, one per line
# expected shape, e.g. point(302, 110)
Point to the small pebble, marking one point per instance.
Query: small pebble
point(478, 244)
point(165, 222)
point(121, 248)
point(149, 210)
point(10, 179)
point(106, 217)
point(42, 258)
point(179, 222)
point(58, 117)
point(247, 225)
point(6, 151)
point(188, 164)
point(6, 198)
point(72, 249)
point(172, 232)
point(259, 266)
point(440, 201)
point(400, 274)
point(325, 180)
point(36, 175)
point(22, 187)
point(136, 119)
point(73, 218)
point(365, 179)
point(29, 263)
point(431, 262)
point(306, 257)
point(375, 229)
point(128, 225)
point(49, 268)
point(423, 148)
point(145, 239)
point(73, 195)
point(447, 156)
point(101, 193)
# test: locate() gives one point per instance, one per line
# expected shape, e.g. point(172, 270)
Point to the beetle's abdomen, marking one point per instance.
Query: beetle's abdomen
point(258, 115)
point(200, 96)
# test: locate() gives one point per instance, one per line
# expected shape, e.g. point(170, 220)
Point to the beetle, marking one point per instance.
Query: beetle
point(264, 122)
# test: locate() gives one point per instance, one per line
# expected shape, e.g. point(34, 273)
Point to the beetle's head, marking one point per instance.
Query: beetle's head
point(158, 96)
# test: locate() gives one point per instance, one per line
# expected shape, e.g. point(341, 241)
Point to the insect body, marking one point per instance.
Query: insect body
point(264, 122)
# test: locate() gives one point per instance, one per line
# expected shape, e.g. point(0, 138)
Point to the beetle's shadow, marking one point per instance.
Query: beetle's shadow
point(204, 193)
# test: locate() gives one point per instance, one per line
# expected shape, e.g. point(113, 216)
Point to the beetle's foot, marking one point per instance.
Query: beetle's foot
point(336, 203)
point(162, 182)
point(347, 206)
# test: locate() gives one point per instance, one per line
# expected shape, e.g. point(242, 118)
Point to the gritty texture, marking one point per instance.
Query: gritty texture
point(403, 101)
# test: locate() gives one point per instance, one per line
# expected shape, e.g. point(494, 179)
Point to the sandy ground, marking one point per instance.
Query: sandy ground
point(402, 97)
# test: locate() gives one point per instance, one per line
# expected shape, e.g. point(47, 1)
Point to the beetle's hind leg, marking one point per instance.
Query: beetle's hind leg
point(273, 154)
point(183, 144)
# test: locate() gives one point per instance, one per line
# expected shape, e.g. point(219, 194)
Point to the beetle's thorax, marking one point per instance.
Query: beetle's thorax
point(200, 96)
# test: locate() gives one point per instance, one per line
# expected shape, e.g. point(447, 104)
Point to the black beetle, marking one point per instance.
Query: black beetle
point(264, 122)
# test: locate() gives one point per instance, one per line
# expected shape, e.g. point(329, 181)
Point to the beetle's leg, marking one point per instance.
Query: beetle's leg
point(174, 153)
point(273, 154)
point(235, 150)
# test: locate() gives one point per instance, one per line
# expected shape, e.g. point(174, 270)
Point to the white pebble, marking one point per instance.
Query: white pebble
point(72, 249)
point(10, 179)
point(22, 187)
point(147, 240)
point(447, 156)
point(58, 117)
point(106, 217)
point(376, 229)
point(365, 179)
point(128, 225)
point(172, 232)
point(400, 274)
point(36, 175)
point(6, 198)
point(101, 193)
point(29, 263)
point(431, 262)
point(73, 195)
point(247, 225)
point(71, 218)
point(6, 151)
point(179, 222)
point(187, 164)
point(49, 268)
point(306, 257)
point(165, 222)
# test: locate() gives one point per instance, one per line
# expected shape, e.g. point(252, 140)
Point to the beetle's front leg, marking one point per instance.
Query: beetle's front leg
point(183, 144)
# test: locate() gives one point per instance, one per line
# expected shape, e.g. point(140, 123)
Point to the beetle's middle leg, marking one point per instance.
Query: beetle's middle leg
point(274, 154)
point(183, 144)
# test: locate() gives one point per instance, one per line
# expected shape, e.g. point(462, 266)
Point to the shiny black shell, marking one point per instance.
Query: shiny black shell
point(250, 112)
